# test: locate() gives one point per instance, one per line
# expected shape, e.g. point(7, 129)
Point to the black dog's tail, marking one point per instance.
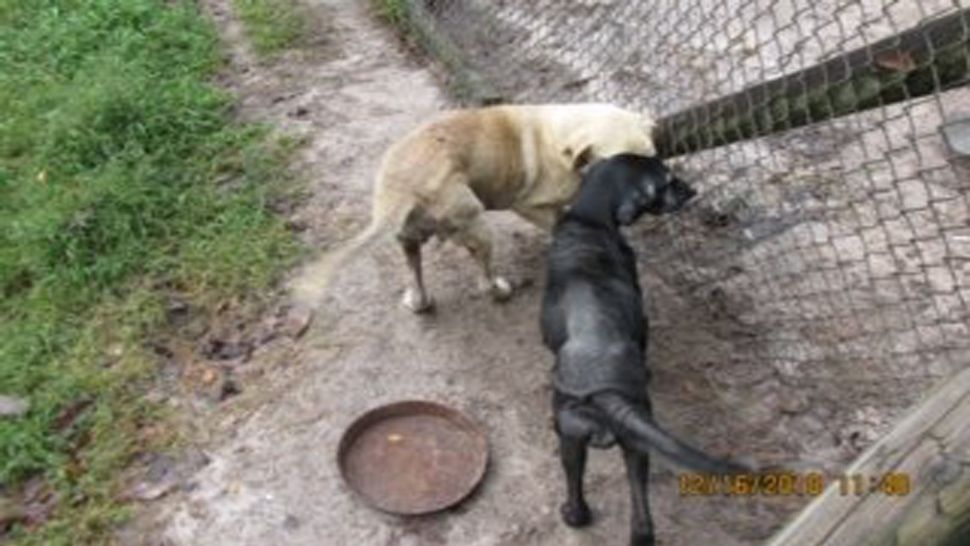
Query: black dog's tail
point(633, 424)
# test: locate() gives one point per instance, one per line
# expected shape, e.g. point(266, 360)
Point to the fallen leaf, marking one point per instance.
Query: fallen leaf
point(70, 414)
point(221, 349)
point(39, 501)
point(897, 61)
point(297, 321)
point(147, 491)
point(10, 512)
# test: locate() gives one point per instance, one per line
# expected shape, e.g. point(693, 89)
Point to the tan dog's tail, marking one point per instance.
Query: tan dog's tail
point(318, 276)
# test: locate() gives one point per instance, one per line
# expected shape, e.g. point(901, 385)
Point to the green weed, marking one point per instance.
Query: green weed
point(271, 25)
point(392, 11)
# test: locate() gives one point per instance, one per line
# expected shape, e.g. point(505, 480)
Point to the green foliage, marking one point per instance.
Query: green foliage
point(393, 11)
point(271, 25)
point(120, 173)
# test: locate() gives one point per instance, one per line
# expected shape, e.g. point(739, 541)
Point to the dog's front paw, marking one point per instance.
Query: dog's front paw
point(642, 540)
point(416, 302)
point(575, 514)
point(501, 289)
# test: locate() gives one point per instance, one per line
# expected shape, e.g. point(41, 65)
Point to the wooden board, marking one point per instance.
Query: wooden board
point(932, 446)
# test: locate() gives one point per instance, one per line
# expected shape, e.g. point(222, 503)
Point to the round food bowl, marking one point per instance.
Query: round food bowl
point(413, 457)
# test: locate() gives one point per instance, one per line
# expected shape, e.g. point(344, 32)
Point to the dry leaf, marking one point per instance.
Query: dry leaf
point(897, 61)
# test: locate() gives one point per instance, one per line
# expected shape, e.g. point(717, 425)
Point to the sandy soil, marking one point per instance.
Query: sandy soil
point(270, 475)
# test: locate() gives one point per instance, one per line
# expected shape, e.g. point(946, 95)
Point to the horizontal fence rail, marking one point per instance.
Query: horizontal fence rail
point(928, 58)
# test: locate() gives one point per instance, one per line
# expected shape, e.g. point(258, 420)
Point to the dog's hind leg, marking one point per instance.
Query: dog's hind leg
point(415, 230)
point(416, 298)
point(574, 435)
point(638, 473)
point(477, 238)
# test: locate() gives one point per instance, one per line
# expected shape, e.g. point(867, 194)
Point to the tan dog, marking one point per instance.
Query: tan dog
point(439, 179)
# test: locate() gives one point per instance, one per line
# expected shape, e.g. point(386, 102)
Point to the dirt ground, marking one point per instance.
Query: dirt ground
point(267, 472)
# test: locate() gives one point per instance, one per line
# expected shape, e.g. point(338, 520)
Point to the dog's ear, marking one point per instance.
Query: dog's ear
point(627, 212)
point(648, 186)
point(677, 195)
point(579, 158)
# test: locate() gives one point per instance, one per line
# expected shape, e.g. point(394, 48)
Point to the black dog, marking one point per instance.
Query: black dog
point(592, 319)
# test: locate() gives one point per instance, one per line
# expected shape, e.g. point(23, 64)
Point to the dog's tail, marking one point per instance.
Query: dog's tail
point(318, 276)
point(633, 424)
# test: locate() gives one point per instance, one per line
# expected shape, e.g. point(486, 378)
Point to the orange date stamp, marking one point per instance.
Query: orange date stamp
point(779, 484)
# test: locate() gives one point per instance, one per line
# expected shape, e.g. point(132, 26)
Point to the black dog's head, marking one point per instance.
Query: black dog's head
point(641, 185)
point(621, 188)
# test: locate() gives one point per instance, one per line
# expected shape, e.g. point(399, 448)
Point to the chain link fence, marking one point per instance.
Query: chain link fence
point(830, 246)
point(827, 260)
point(836, 243)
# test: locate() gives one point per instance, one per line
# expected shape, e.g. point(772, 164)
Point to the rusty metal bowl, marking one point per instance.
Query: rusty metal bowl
point(413, 457)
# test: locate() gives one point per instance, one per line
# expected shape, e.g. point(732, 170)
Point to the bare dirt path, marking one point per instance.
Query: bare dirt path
point(271, 476)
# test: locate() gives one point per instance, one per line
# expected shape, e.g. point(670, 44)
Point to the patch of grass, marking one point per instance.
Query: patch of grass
point(394, 12)
point(271, 25)
point(122, 179)
point(414, 21)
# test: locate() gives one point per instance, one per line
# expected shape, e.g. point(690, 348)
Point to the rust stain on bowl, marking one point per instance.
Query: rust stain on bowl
point(413, 457)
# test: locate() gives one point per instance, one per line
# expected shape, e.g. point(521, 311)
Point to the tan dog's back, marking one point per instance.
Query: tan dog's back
point(482, 147)
point(439, 177)
point(505, 151)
